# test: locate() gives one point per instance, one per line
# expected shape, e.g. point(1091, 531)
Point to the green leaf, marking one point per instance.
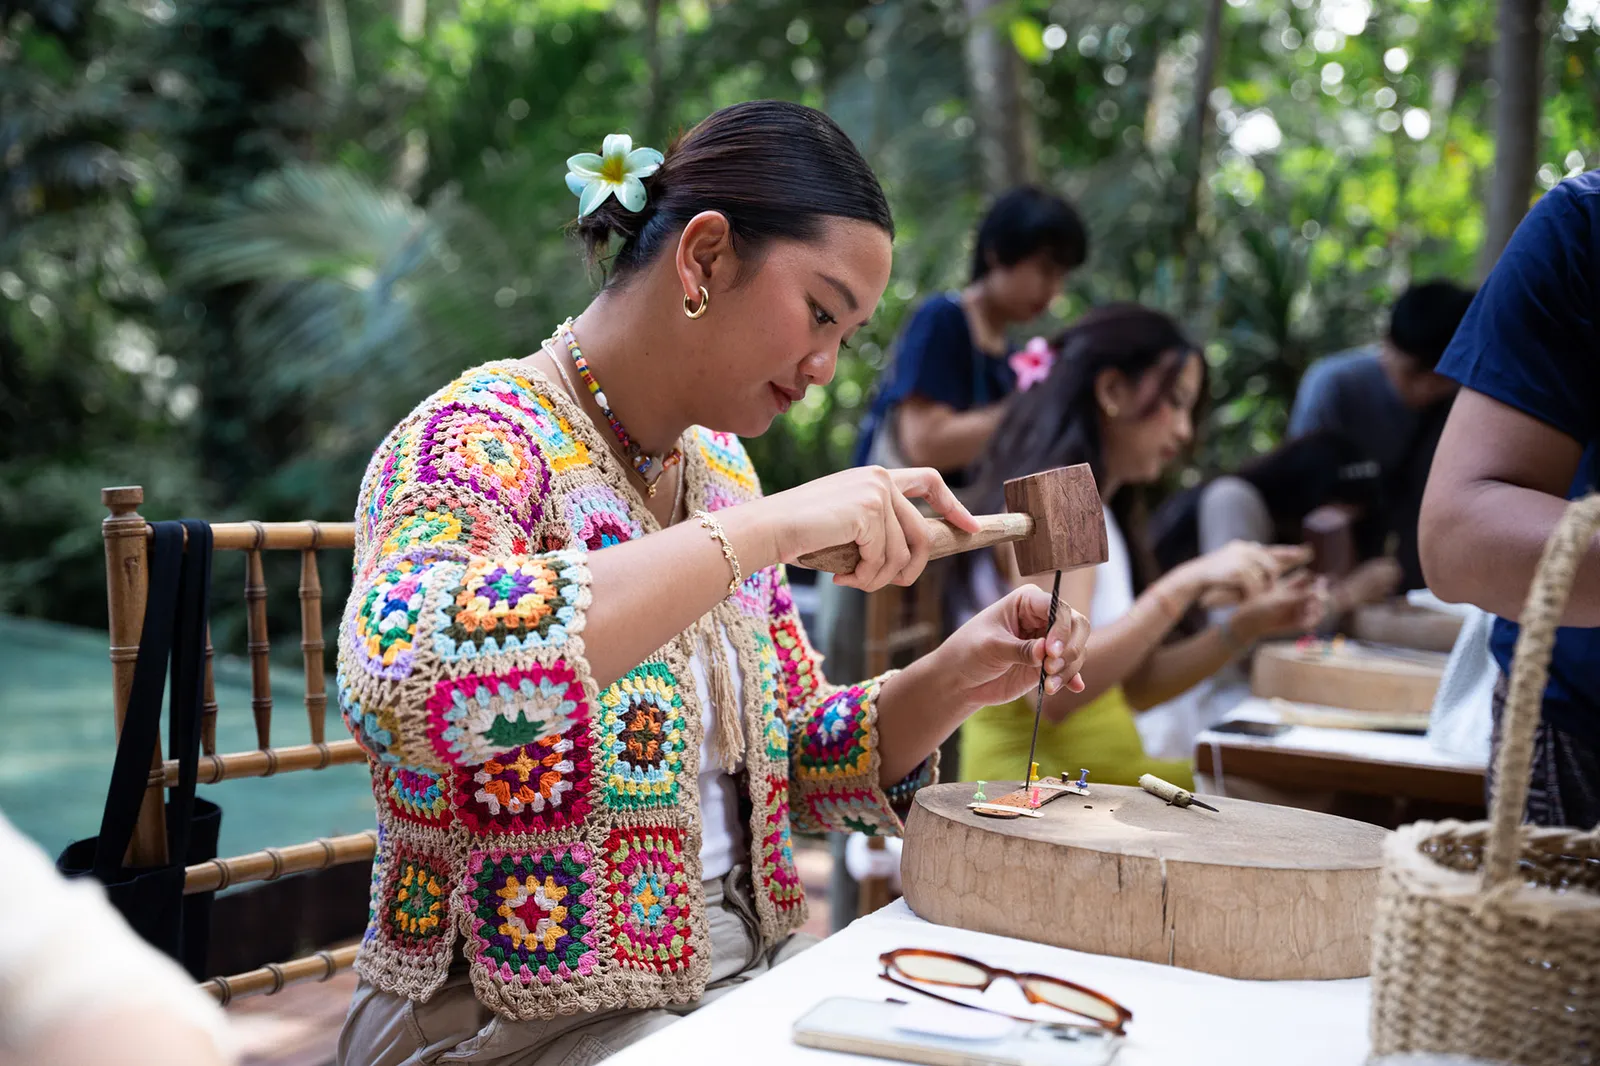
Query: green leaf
point(1027, 36)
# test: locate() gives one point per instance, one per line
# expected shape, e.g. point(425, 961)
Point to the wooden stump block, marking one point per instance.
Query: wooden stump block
point(1399, 623)
point(1255, 891)
point(1348, 675)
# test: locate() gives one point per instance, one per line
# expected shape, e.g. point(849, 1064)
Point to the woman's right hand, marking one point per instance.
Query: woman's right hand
point(1242, 568)
point(871, 508)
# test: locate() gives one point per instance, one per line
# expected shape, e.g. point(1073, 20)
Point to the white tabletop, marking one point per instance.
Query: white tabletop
point(1179, 1016)
point(1397, 748)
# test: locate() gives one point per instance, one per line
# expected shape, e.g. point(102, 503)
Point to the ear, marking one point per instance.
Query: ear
point(1112, 391)
point(705, 254)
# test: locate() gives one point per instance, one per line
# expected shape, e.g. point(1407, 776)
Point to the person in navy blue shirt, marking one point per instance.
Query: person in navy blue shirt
point(1523, 439)
point(944, 393)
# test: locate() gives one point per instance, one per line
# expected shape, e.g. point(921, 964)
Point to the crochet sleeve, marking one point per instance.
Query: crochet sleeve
point(460, 639)
point(834, 762)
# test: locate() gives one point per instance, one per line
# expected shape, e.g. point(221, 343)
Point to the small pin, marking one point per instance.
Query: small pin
point(1033, 797)
point(978, 796)
point(1083, 778)
point(1033, 773)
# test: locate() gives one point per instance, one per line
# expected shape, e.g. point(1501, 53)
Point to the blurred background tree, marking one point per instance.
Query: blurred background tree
point(240, 238)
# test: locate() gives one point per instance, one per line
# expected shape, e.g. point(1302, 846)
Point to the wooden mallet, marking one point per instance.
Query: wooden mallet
point(1055, 519)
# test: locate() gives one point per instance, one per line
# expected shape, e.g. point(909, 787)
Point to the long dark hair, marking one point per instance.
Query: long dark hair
point(1057, 422)
point(774, 169)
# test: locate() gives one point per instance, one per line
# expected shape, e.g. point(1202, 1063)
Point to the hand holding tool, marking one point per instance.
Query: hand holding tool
point(1054, 518)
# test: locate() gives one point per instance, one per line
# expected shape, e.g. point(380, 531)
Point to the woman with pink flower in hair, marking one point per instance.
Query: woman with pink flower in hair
point(1123, 397)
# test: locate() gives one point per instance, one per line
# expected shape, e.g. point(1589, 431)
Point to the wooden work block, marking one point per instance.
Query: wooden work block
point(1069, 519)
point(1253, 891)
point(1400, 624)
point(1323, 717)
point(1345, 674)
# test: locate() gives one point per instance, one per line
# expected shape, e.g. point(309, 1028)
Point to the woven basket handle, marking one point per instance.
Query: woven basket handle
point(1530, 668)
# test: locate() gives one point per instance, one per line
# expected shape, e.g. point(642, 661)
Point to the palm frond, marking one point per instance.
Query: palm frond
point(359, 299)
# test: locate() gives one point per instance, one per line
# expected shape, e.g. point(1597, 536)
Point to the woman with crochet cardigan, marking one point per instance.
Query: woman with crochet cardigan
point(592, 716)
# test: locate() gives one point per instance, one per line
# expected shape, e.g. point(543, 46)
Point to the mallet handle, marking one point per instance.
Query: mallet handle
point(944, 539)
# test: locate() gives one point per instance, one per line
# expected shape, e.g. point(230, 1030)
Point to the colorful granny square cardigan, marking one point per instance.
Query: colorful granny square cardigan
point(546, 830)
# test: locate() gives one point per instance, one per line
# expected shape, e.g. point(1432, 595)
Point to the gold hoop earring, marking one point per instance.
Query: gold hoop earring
point(705, 302)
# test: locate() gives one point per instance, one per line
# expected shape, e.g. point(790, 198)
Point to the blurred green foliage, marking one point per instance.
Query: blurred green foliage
point(239, 239)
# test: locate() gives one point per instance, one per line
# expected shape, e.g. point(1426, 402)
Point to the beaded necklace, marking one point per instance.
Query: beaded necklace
point(636, 455)
point(572, 390)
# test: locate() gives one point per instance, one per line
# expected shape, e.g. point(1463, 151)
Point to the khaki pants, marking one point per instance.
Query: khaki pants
point(383, 1029)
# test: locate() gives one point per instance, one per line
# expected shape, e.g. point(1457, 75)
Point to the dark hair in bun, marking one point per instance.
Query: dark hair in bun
point(775, 170)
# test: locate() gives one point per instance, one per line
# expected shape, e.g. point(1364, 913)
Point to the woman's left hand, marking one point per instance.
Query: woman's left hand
point(995, 657)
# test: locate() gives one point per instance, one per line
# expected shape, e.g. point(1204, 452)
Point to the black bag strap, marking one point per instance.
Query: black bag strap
point(188, 679)
point(130, 773)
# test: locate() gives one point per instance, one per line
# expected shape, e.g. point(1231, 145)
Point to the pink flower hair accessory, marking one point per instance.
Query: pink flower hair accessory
point(1032, 364)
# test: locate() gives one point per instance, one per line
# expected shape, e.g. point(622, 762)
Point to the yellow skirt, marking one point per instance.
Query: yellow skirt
point(1100, 736)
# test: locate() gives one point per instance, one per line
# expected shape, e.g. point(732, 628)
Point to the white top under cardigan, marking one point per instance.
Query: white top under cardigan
point(723, 840)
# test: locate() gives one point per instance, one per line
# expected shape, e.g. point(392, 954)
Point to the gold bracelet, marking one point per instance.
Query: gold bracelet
point(721, 535)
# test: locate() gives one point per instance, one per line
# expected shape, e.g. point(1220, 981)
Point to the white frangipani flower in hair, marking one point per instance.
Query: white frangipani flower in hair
point(619, 168)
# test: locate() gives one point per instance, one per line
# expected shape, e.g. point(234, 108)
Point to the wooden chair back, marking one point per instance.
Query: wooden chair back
point(903, 624)
point(127, 540)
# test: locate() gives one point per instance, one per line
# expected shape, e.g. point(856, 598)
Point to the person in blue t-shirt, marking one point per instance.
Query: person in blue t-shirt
point(945, 391)
point(1522, 439)
point(1389, 397)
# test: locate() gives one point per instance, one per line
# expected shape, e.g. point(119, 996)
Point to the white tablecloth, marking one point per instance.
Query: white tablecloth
point(1180, 1017)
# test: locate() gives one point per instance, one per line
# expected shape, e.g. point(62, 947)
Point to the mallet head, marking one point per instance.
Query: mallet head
point(1069, 525)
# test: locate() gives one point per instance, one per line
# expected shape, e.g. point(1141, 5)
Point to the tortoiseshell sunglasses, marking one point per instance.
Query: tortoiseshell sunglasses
point(913, 967)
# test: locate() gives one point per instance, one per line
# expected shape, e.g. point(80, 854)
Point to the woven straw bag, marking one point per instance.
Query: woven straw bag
point(1487, 939)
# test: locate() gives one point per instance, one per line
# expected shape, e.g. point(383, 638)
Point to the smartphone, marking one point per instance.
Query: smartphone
point(1251, 729)
point(949, 1036)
